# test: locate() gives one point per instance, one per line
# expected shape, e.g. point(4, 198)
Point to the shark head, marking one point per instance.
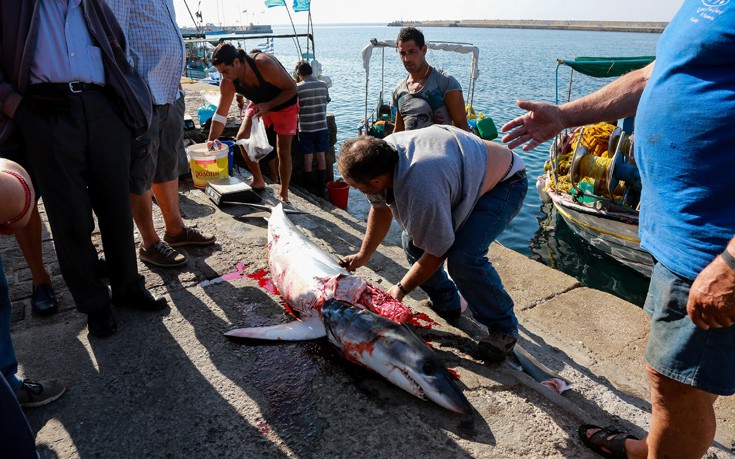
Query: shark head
point(395, 352)
point(413, 366)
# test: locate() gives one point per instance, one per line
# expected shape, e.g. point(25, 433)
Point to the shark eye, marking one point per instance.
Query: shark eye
point(428, 368)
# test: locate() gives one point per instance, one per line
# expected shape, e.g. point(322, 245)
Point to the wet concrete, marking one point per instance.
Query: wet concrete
point(169, 384)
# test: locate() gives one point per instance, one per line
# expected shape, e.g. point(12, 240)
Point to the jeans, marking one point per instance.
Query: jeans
point(8, 361)
point(470, 270)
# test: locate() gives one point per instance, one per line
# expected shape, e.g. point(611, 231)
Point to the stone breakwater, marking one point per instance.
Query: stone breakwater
point(602, 26)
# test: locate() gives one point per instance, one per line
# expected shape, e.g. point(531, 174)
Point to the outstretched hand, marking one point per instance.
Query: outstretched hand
point(712, 296)
point(542, 122)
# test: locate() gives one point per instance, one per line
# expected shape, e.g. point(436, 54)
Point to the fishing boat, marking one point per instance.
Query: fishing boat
point(379, 120)
point(591, 179)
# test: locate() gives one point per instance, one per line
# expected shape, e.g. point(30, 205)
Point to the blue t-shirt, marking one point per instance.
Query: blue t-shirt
point(685, 139)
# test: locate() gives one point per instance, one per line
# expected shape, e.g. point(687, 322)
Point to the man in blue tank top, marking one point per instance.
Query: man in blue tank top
point(685, 149)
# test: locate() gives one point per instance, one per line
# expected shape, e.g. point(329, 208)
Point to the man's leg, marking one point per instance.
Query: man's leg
point(8, 360)
point(683, 418)
point(30, 241)
point(284, 163)
point(254, 166)
point(308, 160)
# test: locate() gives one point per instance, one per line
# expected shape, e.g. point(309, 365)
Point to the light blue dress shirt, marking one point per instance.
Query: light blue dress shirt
point(65, 50)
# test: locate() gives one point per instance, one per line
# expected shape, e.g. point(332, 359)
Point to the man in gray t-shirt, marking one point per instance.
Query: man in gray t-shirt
point(427, 95)
point(453, 194)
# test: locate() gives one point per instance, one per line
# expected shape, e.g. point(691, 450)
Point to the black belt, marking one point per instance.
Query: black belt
point(72, 87)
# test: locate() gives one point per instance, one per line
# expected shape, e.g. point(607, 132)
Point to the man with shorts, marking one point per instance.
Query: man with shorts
point(313, 130)
point(685, 151)
point(157, 52)
point(427, 96)
point(272, 93)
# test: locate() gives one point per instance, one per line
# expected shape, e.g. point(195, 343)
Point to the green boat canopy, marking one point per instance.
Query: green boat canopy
point(604, 67)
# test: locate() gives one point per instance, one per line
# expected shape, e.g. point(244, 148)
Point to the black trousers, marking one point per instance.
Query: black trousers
point(80, 151)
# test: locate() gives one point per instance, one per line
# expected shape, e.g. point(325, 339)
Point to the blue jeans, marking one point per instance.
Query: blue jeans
point(8, 362)
point(471, 271)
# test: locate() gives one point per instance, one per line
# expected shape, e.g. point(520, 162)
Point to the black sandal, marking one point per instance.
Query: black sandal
point(613, 441)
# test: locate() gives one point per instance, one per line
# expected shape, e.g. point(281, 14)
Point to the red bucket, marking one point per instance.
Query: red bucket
point(339, 191)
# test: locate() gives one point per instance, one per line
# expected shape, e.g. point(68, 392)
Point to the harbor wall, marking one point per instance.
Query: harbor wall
point(607, 26)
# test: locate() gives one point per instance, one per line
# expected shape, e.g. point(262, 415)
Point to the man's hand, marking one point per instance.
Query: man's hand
point(352, 262)
point(396, 293)
point(712, 296)
point(542, 122)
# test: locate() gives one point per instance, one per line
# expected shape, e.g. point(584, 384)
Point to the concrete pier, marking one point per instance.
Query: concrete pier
point(169, 384)
point(606, 26)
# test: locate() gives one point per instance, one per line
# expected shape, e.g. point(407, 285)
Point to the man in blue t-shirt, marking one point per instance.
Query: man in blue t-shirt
point(685, 150)
point(427, 95)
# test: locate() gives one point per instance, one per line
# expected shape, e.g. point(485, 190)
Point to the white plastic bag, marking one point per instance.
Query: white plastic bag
point(257, 145)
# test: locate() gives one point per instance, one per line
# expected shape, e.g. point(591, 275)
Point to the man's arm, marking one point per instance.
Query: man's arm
point(274, 74)
point(419, 273)
point(454, 100)
point(378, 225)
point(712, 296)
point(543, 121)
point(399, 123)
point(226, 94)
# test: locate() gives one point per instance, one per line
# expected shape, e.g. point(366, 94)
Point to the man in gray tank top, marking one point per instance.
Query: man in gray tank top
point(453, 194)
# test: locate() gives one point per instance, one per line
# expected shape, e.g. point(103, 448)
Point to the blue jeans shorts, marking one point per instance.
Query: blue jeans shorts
point(314, 142)
point(677, 348)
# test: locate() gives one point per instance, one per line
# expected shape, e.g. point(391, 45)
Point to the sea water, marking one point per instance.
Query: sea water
point(513, 64)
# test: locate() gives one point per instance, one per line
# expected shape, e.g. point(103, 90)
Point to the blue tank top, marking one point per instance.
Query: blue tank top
point(685, 139)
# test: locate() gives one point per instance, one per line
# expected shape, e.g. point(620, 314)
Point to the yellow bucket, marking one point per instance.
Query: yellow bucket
point(207, 165)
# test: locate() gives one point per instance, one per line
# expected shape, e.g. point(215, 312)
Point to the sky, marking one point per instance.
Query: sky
point(237, 12)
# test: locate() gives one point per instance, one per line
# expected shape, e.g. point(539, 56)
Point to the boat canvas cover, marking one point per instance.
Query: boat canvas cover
point(604, 67)
point(461, 48)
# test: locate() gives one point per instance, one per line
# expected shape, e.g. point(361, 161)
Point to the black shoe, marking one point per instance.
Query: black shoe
point(43, 300)
point(139, 299)
point(101, 323)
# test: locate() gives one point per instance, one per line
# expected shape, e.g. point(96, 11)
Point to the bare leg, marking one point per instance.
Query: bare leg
point(284, 163)
point(321, 161)
point(254, 167)
point(683, 420)
point(142, 207)
point(31, 244)
point(308, 160)
point(167, 197)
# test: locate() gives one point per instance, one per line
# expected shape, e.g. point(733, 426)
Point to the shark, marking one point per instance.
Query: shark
point(361, 320)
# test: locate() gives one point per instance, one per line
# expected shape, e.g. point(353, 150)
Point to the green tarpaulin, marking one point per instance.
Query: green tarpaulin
point(601, 67)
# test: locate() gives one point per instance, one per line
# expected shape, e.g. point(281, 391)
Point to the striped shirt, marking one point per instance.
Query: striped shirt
point(155, 46)
point(313, 99)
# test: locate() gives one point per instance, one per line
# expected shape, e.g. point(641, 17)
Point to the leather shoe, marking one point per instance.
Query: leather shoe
point(139, 299)
point(43, 300)
point(101, 323)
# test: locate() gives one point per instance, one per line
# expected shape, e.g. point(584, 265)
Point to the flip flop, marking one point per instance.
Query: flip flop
point(606, 437)
point(258, 190)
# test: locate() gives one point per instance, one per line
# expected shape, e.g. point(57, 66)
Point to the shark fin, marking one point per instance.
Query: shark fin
point(294, 331)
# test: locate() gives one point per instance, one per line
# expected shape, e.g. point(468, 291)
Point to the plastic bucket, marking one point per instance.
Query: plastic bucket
point(231, 155)
point(207, 165)
point(339, 192)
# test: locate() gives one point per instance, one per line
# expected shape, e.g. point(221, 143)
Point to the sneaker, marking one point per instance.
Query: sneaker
point(189, 236)
point(32, 394)
point(161, 254)
point(495, 347)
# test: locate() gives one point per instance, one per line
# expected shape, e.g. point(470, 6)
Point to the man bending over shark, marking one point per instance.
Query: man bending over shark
point(453, 194)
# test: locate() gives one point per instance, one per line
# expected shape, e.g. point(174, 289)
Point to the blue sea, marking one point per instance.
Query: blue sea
point(514, 64)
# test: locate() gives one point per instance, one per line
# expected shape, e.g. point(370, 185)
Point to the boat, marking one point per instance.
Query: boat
point(379, 120)
point(591, 179)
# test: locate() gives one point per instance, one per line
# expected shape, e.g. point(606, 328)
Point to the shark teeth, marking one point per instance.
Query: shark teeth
point(416, 389)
